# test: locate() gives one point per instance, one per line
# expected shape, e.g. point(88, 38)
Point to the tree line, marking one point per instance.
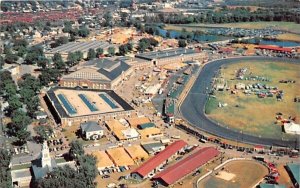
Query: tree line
point(226, 15)
point(23, 103)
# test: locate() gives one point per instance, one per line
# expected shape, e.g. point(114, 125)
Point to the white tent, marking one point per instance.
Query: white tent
point(292, 128)
point(130, 133)
point(152, 90)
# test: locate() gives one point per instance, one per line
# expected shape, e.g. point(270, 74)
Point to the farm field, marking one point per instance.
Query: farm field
point(236, 174)
point(284, 26)
point(289, 37)
point(249, 113)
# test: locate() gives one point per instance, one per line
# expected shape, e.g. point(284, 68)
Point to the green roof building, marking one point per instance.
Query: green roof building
point(264, 185)
point(294, 171)
point(146, 125)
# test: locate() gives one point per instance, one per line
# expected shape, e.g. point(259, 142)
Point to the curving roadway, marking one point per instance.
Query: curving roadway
point(192, 108)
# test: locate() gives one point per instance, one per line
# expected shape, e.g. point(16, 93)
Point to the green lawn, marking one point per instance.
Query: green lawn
point(210, 105)
point(22, 166)
point(284, 26)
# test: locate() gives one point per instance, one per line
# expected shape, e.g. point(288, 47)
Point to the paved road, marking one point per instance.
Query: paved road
point(192, 108)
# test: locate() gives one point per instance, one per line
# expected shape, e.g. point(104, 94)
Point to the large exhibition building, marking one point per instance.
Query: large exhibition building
point(75, 105)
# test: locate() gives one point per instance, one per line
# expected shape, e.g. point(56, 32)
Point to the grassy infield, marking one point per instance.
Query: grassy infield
point(255, 115)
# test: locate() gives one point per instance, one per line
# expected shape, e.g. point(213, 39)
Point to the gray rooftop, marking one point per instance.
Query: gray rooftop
point(22, 173)
point(90, 126)
point(165, 53)
point(39, 171)
point(117, 71)
point(80, 46)
point(149, 147)
point(107, 67)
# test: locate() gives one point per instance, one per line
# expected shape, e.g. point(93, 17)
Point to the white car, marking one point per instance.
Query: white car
point(111, 185)
point(151, 175)
point(160, 169)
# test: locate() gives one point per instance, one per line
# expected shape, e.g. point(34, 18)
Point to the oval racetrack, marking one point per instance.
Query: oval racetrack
point(192, 108)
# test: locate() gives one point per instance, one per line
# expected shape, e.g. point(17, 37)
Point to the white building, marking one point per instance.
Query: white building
point(130, 134)
point(91, 130)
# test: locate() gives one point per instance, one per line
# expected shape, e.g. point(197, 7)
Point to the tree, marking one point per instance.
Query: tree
point(76, 149)
point(11, 58)
point(123, 49)
point(43, 62)
point(88, 168)
point(99, 52)
point(67, 27)
point(21, 51)
point(60, 41)
point(71, 59)
point(45, 77)
point(44, 132)
point(49, 75)
point(20, 42)
point(14, 103)
point(79, 55)
point(7, 85)
point(1, 62)
point(29, 82)
point(20, 120)
point(91, 54)
point(143, 46)
point(10, 88)
point(57, 57)
point(111, 51)
point(58, 61)
point(108, 19)
point(23, 135)
point(33, 106)
point(129, 46)
point(83, 32)
point(26, 94)
point(182, 43)
point(34, 55)
point(5, 177)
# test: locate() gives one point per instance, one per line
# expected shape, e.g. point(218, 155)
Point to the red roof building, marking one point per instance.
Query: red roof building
point(274, 48)
point(187, 165)
point(160, 158)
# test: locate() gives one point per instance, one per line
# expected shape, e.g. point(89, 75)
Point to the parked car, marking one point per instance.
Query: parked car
point(105, 176)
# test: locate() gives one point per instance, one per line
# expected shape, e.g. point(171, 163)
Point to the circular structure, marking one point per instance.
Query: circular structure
point(235, 174)
point(192, 108)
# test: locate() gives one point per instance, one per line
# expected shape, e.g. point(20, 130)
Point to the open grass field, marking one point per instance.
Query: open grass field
point(239, 174)
point(289, 37)
point(284, 26)
point(257, 115)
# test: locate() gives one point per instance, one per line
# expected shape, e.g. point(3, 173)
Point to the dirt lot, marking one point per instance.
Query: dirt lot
point(284, 178)
point(257, 115)
point(247, 174)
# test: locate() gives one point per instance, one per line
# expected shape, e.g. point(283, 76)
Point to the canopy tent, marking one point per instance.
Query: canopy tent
point(292, 128)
